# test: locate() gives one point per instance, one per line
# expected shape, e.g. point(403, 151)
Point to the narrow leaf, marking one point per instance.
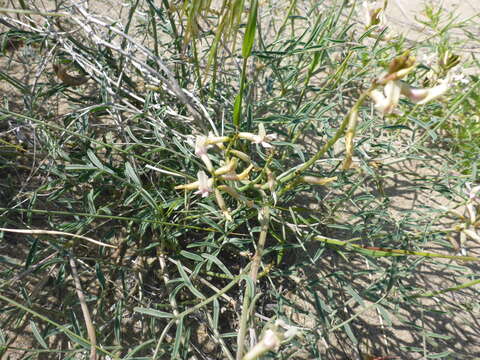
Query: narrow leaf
point(100, 276)
point(37, 335)
point(138, 348)
point(350, 334)
point(251, 28)
point(187, 281)
point(216, 313)
point(190, 255)
point(178, 339)
point(153, 312)
point(131, 174)
point(96, 161)
point(237, 110)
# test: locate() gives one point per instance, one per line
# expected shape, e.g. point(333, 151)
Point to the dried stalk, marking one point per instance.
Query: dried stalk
point(54, 232)
point(86, 314)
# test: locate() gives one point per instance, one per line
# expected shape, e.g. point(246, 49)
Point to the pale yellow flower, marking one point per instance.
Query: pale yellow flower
point(261, 138)
point(232, 176)
point(422, 96)
point(201, 147)
point(387, 101)
point(204, 184)
point(229, 167)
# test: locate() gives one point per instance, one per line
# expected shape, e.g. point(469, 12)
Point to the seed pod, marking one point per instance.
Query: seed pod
point(318, 181)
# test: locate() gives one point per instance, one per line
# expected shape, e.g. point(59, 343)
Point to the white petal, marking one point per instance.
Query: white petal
point(204, 184)
point(472, 212)
point(473, 192)
point(270, 339)
point(387, 103)
point(392, 94)
point(472, 233)
point(366, 13)
point(379, 100)
point(422, 96)
point(201, 145)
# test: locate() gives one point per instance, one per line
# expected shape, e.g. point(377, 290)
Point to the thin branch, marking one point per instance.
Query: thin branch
point(60, 233)
point(86, 314)
point(264, 217)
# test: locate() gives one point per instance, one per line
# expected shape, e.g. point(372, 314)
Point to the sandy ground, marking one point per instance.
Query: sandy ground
point(402, 14)
point(405, 10)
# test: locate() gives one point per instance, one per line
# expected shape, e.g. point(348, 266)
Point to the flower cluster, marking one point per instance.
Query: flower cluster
point(261, 138)
point(223, 179)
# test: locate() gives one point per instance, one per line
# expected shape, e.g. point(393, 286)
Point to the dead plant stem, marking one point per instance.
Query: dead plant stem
point(86, 313)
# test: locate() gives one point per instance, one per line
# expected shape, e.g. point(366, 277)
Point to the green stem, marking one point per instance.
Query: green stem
point(328, 145)
point(455, 288)
point(264, 218)
point(109, 217)
point(242, 331)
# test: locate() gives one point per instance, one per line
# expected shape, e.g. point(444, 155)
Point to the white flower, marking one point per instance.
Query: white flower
point(387, 101)
point(473, 202)
point(201, 147)
point(375, 20)
point(428, 59)
point(460, 77)
point(262, 138)
point(271, 340)
point(205, 184)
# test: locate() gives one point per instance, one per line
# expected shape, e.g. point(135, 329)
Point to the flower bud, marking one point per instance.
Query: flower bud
point(233, 193)
point(449, 61)
point(221, 205)
point(401, 63)
point(241, 156)
point(227, 168)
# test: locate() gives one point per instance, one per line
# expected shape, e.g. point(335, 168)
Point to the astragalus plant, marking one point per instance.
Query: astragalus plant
point(203, 179)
